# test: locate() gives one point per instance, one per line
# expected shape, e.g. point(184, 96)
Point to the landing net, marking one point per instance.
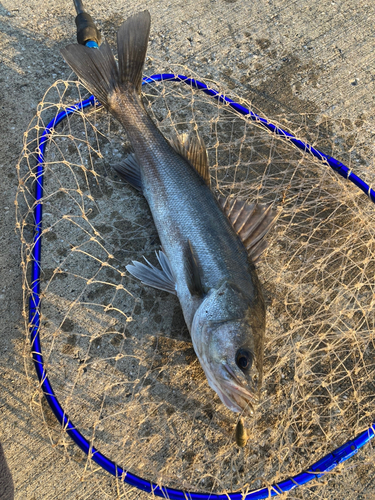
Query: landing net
point(118, 354)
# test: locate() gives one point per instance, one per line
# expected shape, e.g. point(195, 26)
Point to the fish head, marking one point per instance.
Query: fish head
point(228, 337)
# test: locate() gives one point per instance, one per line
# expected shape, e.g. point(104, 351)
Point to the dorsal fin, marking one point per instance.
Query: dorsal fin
point(194, 150)
point(251, 221)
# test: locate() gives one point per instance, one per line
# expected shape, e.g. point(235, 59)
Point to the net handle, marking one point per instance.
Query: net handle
point(319, 468)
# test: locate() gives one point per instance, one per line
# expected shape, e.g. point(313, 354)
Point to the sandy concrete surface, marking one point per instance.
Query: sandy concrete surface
point(313, 57)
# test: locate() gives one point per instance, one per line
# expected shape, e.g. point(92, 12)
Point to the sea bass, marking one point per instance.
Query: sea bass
point(209, 245)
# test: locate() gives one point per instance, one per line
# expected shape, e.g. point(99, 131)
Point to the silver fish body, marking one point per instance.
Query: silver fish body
point(184, 209)
point(213, 277)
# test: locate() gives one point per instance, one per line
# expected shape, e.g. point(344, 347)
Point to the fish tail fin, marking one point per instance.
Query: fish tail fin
point(97, 68)
point(132, 41)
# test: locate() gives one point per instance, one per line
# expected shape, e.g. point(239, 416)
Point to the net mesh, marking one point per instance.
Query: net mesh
point(118, 354)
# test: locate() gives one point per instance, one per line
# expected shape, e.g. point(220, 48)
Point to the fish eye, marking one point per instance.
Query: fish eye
point(244, 359)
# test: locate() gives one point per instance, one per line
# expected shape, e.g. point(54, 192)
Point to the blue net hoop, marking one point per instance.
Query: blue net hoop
point(316, 470)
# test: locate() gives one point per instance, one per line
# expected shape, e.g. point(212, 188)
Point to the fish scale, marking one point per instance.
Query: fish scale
point(169, 185)
point(204, 260)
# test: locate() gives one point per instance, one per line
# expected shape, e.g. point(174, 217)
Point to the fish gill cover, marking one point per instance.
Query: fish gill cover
point(118, 353)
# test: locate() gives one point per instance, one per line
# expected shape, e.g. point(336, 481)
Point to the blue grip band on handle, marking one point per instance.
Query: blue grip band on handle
point(92, 44)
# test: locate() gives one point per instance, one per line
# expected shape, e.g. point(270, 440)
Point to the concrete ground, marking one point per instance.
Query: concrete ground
point(314, 57)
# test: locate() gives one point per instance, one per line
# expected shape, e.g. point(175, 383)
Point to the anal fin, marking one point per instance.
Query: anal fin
point(152, 276)
point(129, 170)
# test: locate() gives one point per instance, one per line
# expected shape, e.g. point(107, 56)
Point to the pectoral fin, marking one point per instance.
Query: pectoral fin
point(152, 276)
point(194, 150)
point(251, 221)
point(193, 272)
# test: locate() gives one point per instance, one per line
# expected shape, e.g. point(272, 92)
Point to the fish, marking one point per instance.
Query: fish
point(210, 245)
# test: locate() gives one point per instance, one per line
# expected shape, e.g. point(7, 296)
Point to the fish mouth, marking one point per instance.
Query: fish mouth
point(234, 394)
